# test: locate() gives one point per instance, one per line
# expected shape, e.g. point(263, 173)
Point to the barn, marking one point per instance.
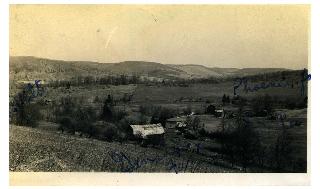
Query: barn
point(143, 131)
point(149, 133)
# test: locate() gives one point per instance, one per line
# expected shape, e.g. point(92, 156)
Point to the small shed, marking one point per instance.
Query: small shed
point(219, 113)
point(145, 131)
point(173, 122)
point(181, 126)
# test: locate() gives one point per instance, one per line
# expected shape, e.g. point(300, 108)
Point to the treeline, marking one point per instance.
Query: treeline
point(118, 80)
point(90, 80)
point(123, 79)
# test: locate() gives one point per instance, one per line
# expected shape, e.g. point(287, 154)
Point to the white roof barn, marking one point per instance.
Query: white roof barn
point(143, 131)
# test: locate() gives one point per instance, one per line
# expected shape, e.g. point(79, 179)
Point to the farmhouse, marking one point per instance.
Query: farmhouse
point(147, 131)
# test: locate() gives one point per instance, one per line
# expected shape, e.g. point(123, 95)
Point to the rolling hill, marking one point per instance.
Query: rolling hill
point(26, 68)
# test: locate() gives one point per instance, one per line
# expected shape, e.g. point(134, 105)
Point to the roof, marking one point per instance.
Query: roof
point(180, 125)
point(177, 119)
point(150, 129)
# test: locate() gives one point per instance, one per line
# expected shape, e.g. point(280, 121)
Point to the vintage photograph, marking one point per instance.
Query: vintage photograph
point(159, 88)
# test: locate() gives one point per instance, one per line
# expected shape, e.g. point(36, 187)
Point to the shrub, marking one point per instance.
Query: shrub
point(84, 118)
point(162, 114)
point(66, 107)
point(110, 133)
point(154, 140)
point(213, 135)
point(211, 109)
point(296, 103)
point(96, 99)
point(193, 123)
point(262, 105)
point(118, 114)
point(144, 109)
point(25, 111)
point(31, 115)
point(187, 110)
point(190, 134)
point(67, 124)
point(124, 124)
point(107, 114)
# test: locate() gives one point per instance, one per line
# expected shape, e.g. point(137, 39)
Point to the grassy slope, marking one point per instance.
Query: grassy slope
point(39, 150)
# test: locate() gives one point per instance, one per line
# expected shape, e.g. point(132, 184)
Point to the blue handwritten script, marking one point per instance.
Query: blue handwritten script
point(169, 159)
point(304, 78)
point(35, 89)
point(188, 147)
point(247, 87)
point(129, 164)
point(254, 87)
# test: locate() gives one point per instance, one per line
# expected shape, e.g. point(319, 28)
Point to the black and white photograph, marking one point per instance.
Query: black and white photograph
point(133, 88)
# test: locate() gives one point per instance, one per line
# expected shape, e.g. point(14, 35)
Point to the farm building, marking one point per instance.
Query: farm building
point(219, 113)
point(149, 134)
point(172, 122)
point(176, 124)
point(144, 131)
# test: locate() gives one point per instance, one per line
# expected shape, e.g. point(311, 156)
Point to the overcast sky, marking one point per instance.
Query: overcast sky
point(215, 36)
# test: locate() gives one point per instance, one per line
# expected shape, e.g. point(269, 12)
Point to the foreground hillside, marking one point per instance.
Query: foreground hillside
point(40, 150)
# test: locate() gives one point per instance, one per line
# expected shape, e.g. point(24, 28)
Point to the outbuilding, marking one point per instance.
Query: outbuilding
point(149, 133)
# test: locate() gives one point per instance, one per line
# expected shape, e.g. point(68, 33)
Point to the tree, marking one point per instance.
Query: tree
point(67, 124)
point(193, 123)
point(33, 115)
point(228, 100)
point(107, 109)
point(189, 122)
point(84, 118)
point(25, 112)
point(161, 115)
point(96, 99)
point(282, 148)
point(243, 144)
point(196, 123)
point(211, 109)
point(109, 100)
point(110, 133)
point(262, 105)
point(224, 99)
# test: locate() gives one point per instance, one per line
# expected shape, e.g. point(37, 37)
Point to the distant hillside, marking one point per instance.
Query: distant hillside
point(27, 68)
point(197, 71)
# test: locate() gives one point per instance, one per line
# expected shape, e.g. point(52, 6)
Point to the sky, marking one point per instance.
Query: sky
point(237, 36)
